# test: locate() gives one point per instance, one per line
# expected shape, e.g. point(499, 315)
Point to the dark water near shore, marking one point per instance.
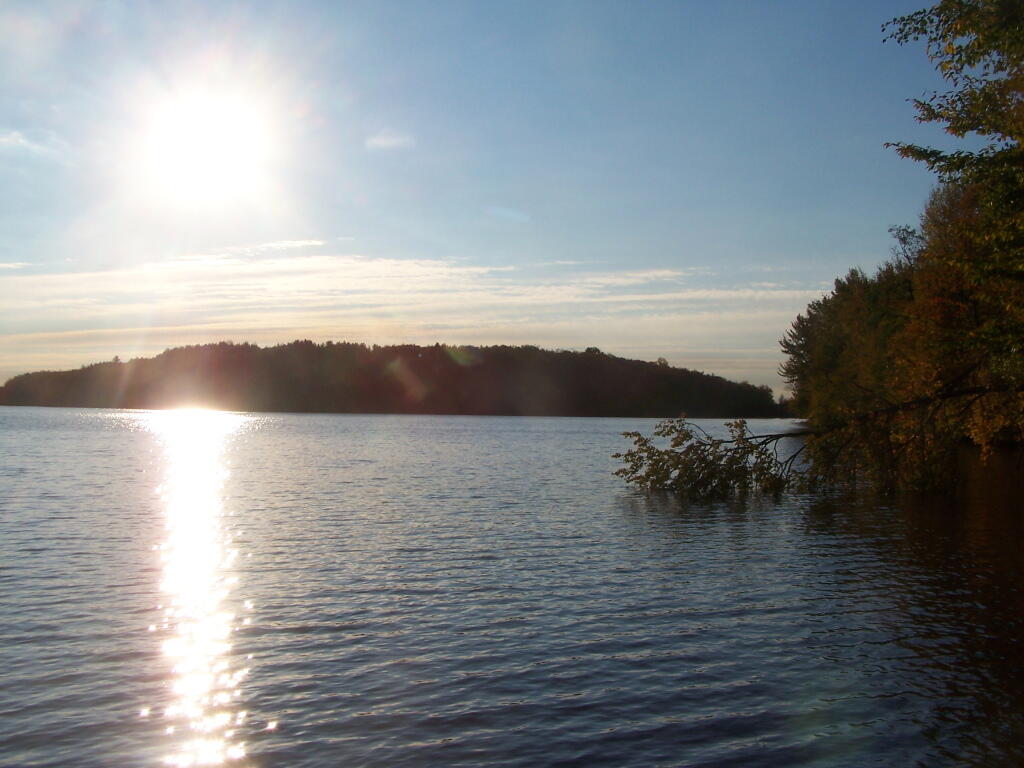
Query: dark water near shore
point(280, 590)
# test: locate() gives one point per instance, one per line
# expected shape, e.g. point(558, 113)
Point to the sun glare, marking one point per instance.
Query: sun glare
point(204, 146)
point(203, 716)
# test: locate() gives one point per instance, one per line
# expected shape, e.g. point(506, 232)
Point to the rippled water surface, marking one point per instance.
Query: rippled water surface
point(292, 590)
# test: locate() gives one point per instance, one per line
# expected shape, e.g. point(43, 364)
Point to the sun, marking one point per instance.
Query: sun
point(205, 146)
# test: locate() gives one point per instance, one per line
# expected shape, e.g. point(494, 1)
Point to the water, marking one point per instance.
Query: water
point(288, 590)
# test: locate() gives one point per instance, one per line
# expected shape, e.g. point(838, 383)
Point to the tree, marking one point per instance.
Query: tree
point(978, 48)
point(894, 372)
point(967, 328)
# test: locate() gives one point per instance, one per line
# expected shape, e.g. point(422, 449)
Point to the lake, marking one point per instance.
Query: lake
point(197, 588)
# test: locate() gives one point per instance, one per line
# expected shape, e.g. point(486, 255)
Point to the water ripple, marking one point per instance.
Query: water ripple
point(465, 591)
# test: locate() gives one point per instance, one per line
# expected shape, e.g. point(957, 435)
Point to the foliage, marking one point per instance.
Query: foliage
point(978, 48)
point(894, 372)
point(705, 468)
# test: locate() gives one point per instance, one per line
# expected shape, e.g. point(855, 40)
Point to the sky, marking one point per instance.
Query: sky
point(656, 179)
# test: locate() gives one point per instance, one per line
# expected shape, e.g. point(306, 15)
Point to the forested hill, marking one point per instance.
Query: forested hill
point(354, 378)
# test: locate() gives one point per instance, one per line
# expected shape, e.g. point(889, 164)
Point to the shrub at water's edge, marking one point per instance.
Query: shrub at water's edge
point(355, 378)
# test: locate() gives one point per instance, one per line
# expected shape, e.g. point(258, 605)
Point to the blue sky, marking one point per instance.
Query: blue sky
point(656, 179)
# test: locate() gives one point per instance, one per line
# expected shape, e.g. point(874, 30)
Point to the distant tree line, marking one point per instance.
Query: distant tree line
point(897, 371)
point(304, 376)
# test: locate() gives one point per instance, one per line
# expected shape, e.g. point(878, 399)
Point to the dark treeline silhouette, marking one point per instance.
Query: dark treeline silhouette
point(355, 378)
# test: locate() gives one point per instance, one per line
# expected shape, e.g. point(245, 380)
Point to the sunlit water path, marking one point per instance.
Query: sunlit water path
point(197, 559)
point(192, 588)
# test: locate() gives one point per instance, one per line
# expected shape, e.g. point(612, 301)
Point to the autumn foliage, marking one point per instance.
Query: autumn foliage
point(898, 371)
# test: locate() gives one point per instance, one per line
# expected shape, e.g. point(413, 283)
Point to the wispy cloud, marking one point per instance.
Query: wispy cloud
point(255, 250)
point(284, 245)
point(336, 285)
point(17, 141)
point(13, 264)
point(630, 277)
point(389, 139)
point(276, 245)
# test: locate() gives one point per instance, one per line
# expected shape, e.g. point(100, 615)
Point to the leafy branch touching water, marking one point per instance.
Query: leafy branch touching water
point(910, 445)
point(701, 466)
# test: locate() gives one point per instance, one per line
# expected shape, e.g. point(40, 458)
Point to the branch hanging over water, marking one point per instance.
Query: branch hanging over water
point(909, 445)
point(703, 467)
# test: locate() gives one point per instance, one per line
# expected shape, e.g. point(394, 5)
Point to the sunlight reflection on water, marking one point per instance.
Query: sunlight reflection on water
point(197, 559)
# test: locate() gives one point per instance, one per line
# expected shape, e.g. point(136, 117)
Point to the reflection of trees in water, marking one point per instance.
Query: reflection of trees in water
point(946, 575)
point(890, 630)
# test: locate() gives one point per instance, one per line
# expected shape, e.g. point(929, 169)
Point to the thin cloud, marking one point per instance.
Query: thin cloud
point(251, 250)
point(388, 139)
point(283, 245)
point(17, 141)
point(634, 277)
point(13, 264)
point(276, 245)
point(231, 282)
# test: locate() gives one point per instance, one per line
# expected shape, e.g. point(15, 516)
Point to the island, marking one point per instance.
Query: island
point(346, 377)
